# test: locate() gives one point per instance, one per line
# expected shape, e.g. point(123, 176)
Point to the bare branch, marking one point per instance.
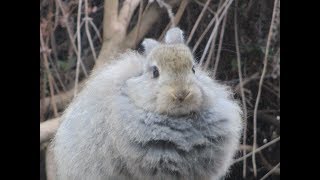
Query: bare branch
point(202, 4)
point(169, 10)
point(243, 97)
point(151, 16)
point(198, 21)
point(215, 29)
point(46, 64)
point(96, 30)
point(72, 39)
point(215, 68)
point(139, 20)
point(211, 52)
point(87, 20)
point(126, 12)
point(265, 61)
point(61, 99)
point(176, 18)
point(213, 47)
point(209, 25)
point(114, 29)
point(267, 165)
point(246, 81)
point(79, 49)
point(48, 129)
point(257, 150)
point(110, 17)
point(270, 172)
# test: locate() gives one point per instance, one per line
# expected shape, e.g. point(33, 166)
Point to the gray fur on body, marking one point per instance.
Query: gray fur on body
point(105, 135)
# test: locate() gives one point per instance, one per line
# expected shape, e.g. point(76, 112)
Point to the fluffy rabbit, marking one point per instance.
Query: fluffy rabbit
point(152, 116)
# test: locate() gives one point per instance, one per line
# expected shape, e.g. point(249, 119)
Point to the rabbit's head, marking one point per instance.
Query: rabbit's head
point(168, 84)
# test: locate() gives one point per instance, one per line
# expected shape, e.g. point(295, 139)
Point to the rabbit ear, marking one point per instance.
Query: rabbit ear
point(149, 44)
point(174, 35)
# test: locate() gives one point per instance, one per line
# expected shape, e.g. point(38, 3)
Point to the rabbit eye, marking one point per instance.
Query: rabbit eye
point(155, 71)
point(193, 69)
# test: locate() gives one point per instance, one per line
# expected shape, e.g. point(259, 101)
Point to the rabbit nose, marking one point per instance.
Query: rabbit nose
point(181, 95)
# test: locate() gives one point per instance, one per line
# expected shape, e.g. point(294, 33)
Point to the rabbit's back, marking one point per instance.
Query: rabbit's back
point(82, 146)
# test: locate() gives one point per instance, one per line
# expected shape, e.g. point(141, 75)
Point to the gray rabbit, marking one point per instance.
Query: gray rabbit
point(152, 116)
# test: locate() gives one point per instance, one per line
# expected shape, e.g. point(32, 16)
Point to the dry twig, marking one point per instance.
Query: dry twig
point(48, 129)
point(215, 68)
point(45, 51)
point(202, 4)
point(209, 25)
point(79, 49)
point(243, 97)
point(265, 61)
point(87, 20)
point(139, 20)
point(65, 17)
point(257, 150)
point(198, 21)
point(215, 29)
point(176, 19)
point(270, 172)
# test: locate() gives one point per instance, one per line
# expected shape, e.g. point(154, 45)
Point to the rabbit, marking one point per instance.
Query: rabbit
point(155, 115)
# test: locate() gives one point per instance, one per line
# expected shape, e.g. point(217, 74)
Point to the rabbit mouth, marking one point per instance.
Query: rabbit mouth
point(177, 104)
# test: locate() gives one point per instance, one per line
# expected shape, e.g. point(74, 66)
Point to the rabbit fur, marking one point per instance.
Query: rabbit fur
point(126, 124)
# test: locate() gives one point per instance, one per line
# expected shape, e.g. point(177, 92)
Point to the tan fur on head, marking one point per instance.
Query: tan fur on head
point(172, 58)
point(175, 91)
point(178, 93)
